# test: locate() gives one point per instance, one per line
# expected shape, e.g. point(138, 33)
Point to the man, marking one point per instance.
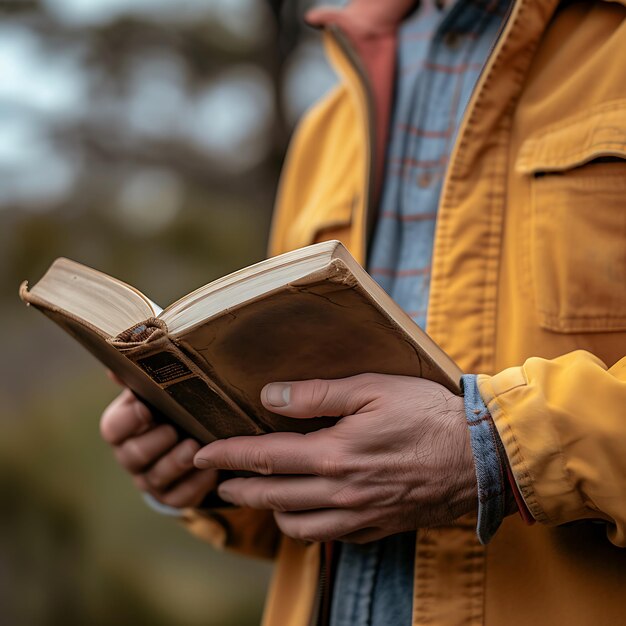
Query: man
point(523, 105)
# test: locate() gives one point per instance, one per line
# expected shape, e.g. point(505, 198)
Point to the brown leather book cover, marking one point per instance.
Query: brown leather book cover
point(207, 376)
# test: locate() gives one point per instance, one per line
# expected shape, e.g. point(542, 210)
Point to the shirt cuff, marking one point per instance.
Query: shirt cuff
point(160, 508)
point(495, 499)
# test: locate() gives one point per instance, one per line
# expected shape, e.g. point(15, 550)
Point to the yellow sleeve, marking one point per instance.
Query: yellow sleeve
point(247, 531)
point(563, 425)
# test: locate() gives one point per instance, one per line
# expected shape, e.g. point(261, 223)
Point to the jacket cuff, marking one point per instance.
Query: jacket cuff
point(545, 425)
point(499, 393)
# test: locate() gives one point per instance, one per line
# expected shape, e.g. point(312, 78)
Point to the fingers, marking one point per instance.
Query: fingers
point(277, 453)
point(159, 463)
point(172, 466)
point(317, 398)
point(189, 491)
point(282, 494)
point(172, 479)
point(323, 525)
point(135, 454)
point(124, 417)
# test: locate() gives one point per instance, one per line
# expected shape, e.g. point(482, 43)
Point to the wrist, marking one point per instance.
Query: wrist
point(462, 494)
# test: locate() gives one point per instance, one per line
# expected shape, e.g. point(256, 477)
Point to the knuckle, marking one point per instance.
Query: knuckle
point(331, 466)
point(368, 378)
point(273, 501)
point(260, 462)
point(168, 433)
point(347, 497)
point(366, 385)
point(170, 499)
point(155, 479)
point(136, 454)
point(181, 457)
point(176, 461)
point(107, 425)
point(318, 390)
point(178, 498)
point(141, 412)
point(177, 465)
point(121, 419)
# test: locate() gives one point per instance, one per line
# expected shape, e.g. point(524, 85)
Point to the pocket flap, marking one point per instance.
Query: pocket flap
point(595, 133)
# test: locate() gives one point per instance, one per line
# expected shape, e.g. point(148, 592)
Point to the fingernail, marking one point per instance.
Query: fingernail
point(224, 495)
point(278, 394)
point(201, 463)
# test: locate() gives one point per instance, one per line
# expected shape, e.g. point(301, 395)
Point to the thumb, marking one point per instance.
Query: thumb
point(317, 398)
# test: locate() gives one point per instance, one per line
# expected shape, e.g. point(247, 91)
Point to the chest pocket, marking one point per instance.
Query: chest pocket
point(578, 220)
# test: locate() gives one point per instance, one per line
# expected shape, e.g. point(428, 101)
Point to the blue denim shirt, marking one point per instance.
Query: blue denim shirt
point(440, 56)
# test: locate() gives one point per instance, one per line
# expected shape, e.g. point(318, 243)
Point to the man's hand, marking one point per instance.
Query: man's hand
point(152, 454)
point(399, 459)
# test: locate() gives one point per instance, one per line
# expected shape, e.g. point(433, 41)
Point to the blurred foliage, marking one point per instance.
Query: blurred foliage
point(80, 547)
point(143, 139)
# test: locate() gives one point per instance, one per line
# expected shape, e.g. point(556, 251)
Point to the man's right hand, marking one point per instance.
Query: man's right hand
point(159, 463)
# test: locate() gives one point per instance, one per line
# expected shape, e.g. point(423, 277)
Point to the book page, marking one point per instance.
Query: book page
point(246, 284)
point(104, 302)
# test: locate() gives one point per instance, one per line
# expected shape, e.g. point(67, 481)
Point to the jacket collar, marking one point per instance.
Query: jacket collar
point(370, 27)
point(372, 18)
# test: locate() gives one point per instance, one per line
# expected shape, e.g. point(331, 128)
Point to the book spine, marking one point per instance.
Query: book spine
point(149, 346)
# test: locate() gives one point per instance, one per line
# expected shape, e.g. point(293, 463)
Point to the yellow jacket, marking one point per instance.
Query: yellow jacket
point(528, 289)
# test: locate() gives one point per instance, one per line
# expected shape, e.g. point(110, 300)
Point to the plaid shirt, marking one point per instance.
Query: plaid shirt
point(440, 55)
point(441, 52)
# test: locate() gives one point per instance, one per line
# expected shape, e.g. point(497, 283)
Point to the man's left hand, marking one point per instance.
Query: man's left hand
point(399, 459)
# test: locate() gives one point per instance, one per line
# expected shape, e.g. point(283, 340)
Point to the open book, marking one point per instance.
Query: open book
point(202, 362)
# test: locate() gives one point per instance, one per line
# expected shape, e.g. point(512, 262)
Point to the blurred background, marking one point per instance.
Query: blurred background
point(143, 138)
